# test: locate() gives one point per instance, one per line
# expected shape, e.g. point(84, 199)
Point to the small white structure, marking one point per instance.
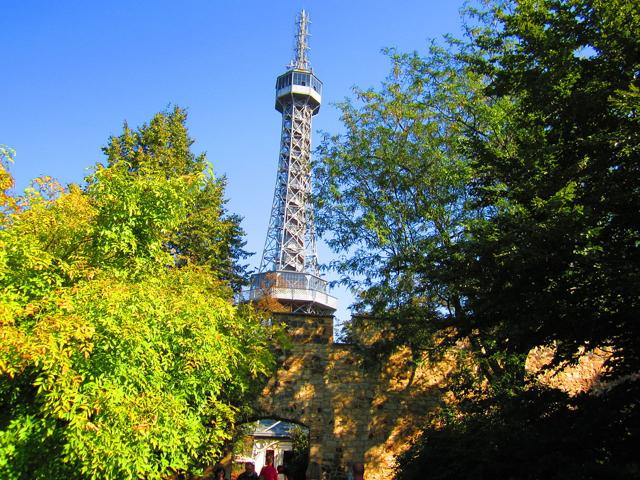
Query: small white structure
point(269, 437)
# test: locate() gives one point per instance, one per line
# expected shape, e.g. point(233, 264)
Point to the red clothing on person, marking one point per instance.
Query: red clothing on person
point(269, 472)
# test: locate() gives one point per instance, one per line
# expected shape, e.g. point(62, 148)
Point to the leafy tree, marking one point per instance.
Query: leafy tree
point(545, 248)
point(114, 363)
point(209, 235)
point(6, 181)
point(558, 260)
point(393, 193)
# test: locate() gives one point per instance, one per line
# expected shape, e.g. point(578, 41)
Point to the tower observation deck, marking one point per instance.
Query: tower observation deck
point(289, 266)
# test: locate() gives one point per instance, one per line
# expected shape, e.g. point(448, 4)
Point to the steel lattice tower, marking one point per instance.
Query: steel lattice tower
point(289, 266)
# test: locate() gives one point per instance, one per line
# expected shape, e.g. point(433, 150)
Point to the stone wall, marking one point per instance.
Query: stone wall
point(357, 411)
point(364, 411)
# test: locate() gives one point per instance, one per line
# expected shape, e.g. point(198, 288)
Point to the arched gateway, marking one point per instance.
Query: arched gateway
point(357, 411)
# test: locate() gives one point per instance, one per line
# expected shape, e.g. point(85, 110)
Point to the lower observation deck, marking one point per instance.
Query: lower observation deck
point(301, 291)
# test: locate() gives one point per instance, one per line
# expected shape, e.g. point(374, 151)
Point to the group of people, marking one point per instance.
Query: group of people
point(269, 472)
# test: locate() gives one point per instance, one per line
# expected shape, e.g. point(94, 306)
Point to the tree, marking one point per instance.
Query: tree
point(117, 358)
point(557, 262)
point(546, 250)
point(209, 235)
point(6, 181)
point(393, 196)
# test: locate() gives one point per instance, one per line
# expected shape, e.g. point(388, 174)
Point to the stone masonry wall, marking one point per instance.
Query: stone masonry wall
point(360, 411)
point(355, 412)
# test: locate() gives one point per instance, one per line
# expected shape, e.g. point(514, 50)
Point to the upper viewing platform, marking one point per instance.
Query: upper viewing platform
point(298, 83)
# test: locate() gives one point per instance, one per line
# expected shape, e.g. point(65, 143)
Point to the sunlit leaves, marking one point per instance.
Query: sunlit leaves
point(207, 233)
point(7, 202)
point(393, 189)
point(121, 353)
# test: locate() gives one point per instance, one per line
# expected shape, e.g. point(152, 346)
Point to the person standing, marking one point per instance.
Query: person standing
point(219, 473)
point(249, 472)
point(358, 471)
point(269, 472)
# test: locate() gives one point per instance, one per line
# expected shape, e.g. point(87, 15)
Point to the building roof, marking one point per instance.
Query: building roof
point(273, 428)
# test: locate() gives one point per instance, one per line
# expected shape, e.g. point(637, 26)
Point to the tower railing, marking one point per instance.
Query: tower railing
point(290, 287)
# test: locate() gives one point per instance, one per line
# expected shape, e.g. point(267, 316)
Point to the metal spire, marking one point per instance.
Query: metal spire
point(300, 60)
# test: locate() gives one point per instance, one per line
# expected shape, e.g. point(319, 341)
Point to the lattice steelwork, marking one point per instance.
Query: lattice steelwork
point(290, 243)
point(289, 266)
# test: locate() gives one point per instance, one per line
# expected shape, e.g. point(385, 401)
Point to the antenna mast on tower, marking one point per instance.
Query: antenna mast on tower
point(289, 267)
point(300, 60)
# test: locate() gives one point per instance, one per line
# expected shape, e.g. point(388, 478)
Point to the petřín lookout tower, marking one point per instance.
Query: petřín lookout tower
point(289, 267)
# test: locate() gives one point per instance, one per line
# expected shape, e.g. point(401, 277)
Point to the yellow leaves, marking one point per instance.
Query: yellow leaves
point(64, 304)
point(91, 427)
point(13, 352)
point(268, 303)
point(143, 427)
point(9, 310)
point(131, 353)
point(52, 341)
point(31, 309)
point(46, 243)
point(49, 342)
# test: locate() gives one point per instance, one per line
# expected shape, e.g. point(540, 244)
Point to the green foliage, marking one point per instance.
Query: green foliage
point(393, 192)
point(560, 254)
point(208, 234)
point(114, 363)
point(6, 181)
point(491, 191)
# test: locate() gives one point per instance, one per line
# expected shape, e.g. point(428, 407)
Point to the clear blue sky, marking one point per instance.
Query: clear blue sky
point(72, 71)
